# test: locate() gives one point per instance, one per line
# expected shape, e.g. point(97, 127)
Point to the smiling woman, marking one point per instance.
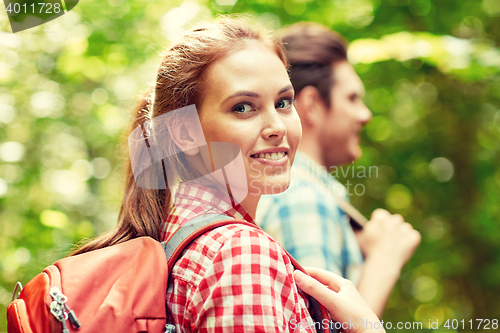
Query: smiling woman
point(234, 278)
point(249, 101)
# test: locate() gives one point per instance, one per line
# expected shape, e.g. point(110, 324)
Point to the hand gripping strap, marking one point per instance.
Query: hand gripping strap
point(201, 224)
point(320, 313)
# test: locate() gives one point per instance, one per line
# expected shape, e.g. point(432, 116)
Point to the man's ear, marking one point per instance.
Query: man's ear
point(310, 107)
point(186, 137)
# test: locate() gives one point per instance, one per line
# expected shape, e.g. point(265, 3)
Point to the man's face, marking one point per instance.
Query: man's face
point(345, 118)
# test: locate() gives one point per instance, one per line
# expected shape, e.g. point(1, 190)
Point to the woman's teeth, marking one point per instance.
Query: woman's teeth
point(271, 156)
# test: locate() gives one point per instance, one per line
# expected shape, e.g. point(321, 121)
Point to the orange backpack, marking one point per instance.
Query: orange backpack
point(113, 289)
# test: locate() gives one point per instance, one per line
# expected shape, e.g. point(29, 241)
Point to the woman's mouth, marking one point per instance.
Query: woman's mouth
point(270, 156)
point(275, 159)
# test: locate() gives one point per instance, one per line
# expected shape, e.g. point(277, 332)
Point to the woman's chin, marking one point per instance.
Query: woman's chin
point(274, 188)
point(279, 189)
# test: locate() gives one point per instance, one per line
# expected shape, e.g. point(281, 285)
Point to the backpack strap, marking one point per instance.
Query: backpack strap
point(174, 246)
point(320, 313)
point(190, 231)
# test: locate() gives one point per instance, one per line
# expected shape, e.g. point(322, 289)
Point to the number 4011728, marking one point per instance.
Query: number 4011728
point(39, 8)
point(473, 324)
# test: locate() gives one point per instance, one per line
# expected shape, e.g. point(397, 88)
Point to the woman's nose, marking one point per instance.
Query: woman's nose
point(273, 125)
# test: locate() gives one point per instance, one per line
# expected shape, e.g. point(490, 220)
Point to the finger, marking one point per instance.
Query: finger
point(332, 280)
point(380, 213)
point(399, 218)
point(315, 288)
point(406, 227)
point(417, 237)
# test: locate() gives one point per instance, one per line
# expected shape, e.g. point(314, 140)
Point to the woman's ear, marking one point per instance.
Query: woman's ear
point(185, 129)
point(186, 137)
point(182, 127)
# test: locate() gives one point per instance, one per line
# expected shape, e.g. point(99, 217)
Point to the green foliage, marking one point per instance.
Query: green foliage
point(431, 71)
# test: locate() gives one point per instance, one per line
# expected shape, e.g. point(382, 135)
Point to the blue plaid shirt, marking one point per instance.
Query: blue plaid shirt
point(307, 222)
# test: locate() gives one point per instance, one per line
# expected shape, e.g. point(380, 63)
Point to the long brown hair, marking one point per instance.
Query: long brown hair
point(179, 83)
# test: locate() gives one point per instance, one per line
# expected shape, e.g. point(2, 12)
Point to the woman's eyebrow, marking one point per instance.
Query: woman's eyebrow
point(285, 89)
point(252, 94)
point(242, 93)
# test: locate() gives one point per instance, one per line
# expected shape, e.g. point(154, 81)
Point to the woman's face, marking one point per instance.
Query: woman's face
point(248, 100)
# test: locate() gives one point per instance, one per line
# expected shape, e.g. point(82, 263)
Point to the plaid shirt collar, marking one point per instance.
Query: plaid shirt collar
point(307, 169)
point(304, 161)
point(192, 200)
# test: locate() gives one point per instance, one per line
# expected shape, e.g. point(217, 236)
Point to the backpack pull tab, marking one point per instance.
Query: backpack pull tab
point(73, 318)
point(64, 328)
point(58, 307)
point(169, 328)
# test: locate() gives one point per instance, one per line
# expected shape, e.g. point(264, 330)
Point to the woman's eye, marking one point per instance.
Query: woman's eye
point(242, 108)
point(284, 103)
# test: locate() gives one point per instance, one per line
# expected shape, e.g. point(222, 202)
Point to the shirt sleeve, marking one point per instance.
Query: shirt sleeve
point(249, 288)
point(307, 224)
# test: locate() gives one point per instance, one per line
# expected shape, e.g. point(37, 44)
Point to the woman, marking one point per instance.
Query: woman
point(234, 278)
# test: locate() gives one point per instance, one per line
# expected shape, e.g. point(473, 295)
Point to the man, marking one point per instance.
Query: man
point(306, 218)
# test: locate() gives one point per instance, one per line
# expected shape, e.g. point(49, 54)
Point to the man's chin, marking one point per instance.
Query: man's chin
point(358, 155)
point(342, 160)
point(354, 153)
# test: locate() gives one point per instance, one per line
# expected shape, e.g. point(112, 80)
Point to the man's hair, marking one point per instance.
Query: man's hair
point(312, 50)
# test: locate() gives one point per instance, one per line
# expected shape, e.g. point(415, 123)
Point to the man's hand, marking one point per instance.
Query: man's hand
point(388, 240)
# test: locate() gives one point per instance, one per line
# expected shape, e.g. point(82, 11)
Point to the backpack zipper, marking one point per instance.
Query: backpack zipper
point(61, 311)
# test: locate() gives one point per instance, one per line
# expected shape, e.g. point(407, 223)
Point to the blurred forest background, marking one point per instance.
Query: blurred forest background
point(431, 70)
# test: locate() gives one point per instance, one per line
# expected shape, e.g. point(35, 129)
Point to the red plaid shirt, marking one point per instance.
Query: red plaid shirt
point(234, 278)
